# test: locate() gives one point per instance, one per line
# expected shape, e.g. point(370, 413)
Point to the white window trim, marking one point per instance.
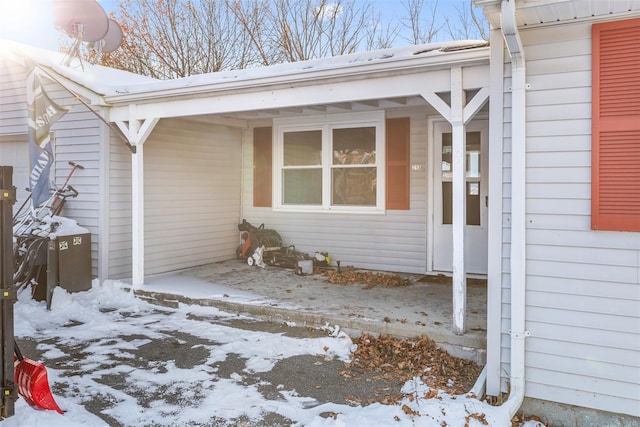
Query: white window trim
point(326, 123)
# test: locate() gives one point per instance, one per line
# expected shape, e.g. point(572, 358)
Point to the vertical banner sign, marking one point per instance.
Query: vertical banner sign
point(43, 112)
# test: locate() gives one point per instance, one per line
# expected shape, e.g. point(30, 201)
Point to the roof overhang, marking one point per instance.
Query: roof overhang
point(544, 12)
point(304, 83)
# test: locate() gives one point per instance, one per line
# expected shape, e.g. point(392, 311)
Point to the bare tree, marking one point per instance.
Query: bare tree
point(380, 34)
point(423, 27)
point(467, 24)
point(253, 17)
point(178, 38)
point(306, 29)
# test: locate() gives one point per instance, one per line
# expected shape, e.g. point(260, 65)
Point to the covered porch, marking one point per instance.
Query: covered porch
point(426, 84)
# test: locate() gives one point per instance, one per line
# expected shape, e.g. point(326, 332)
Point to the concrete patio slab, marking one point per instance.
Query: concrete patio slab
point(279, 295)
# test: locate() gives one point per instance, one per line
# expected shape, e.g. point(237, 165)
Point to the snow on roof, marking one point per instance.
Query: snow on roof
point(94, 77)
point(338, 64)
point(111, 82)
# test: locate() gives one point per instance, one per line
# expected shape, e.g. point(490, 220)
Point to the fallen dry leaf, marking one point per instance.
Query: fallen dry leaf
point(370, 279)
point(408, 410)
point(390, 358)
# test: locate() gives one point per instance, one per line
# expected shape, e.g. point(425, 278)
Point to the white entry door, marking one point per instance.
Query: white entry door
point(477, 201)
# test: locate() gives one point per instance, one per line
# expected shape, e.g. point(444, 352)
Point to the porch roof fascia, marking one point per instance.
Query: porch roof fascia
point(536, 13)
point(157, 103)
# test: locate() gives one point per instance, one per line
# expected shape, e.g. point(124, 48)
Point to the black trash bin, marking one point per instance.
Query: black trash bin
point(68, 266)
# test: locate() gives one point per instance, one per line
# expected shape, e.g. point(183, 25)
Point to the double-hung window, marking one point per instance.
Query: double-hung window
point(330, 163)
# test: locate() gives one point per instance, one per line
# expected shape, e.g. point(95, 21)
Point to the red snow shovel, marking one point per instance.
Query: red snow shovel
point(33, 382)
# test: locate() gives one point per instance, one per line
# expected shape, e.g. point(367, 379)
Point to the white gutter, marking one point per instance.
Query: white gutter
point(248, 80)
point(518, 198)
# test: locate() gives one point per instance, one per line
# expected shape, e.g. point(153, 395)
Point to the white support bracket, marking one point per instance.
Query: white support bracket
point(138, 134)
point(439, 104)
point(475, 104)
point(519, 335)
point(527, 86)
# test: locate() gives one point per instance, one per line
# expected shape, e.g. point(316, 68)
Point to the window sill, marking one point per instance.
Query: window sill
point(349, 211)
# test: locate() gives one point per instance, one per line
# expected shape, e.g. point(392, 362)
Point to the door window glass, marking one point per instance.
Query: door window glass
point(473, 177)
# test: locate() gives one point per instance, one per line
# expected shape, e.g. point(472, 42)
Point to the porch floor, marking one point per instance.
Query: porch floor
point(277, 294)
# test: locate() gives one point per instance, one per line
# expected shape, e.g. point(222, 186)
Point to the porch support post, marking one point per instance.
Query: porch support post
point(137, 132)
point(458, 101)
point(137, 206)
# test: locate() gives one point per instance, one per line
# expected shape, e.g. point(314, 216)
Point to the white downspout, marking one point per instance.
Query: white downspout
point(518, 198)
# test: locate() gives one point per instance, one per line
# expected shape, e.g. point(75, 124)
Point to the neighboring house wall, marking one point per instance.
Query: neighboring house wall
point(77, 138)
point(192, 195)
point(13, 126)
point(14, 151)
point(583, 289)
point(395, 240)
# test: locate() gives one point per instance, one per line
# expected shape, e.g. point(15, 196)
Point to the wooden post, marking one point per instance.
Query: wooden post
point(137, 205)
point(458, 102)
point(7, 290)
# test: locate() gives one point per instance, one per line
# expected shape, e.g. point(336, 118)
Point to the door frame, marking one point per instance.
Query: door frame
point(432, 124)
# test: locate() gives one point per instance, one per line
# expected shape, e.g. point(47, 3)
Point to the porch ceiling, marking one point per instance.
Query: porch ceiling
point(331, 108)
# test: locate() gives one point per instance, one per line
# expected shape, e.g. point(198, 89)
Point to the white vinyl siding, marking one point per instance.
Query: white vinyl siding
point(77, 138)
point(192, 194)
point(13, 90)
point(395, 241)
point(118, 209)
point(14, 149)
point(583, 287)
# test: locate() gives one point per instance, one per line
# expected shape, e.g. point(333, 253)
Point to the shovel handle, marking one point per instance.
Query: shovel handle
point(16, 349)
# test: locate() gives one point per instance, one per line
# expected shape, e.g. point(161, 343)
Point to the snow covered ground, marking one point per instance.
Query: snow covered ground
point(107, 313)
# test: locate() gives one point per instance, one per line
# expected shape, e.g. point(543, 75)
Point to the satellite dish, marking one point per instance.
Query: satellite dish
point(113, 38)
point(83, 20)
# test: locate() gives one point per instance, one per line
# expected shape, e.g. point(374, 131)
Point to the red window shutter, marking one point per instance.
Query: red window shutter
point(397, 163)
point(262, 169)
point(615, 163)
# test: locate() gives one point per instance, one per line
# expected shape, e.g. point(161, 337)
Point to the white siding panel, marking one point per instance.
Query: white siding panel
point(551, 285)
point(595, 256)
point(570, 395)
point(539, 113)
point(552, 145)
point(560, 190)
point(13, 89)
point(583, 286)
point(578, 309)
point(585, 239)
point(614, 320)
point(569, 350)
point(14, 151)
point(119, 209)
point(84, 150)
point(566, 174)
point(192, 194)
point(561, 221)
point(626, 376)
